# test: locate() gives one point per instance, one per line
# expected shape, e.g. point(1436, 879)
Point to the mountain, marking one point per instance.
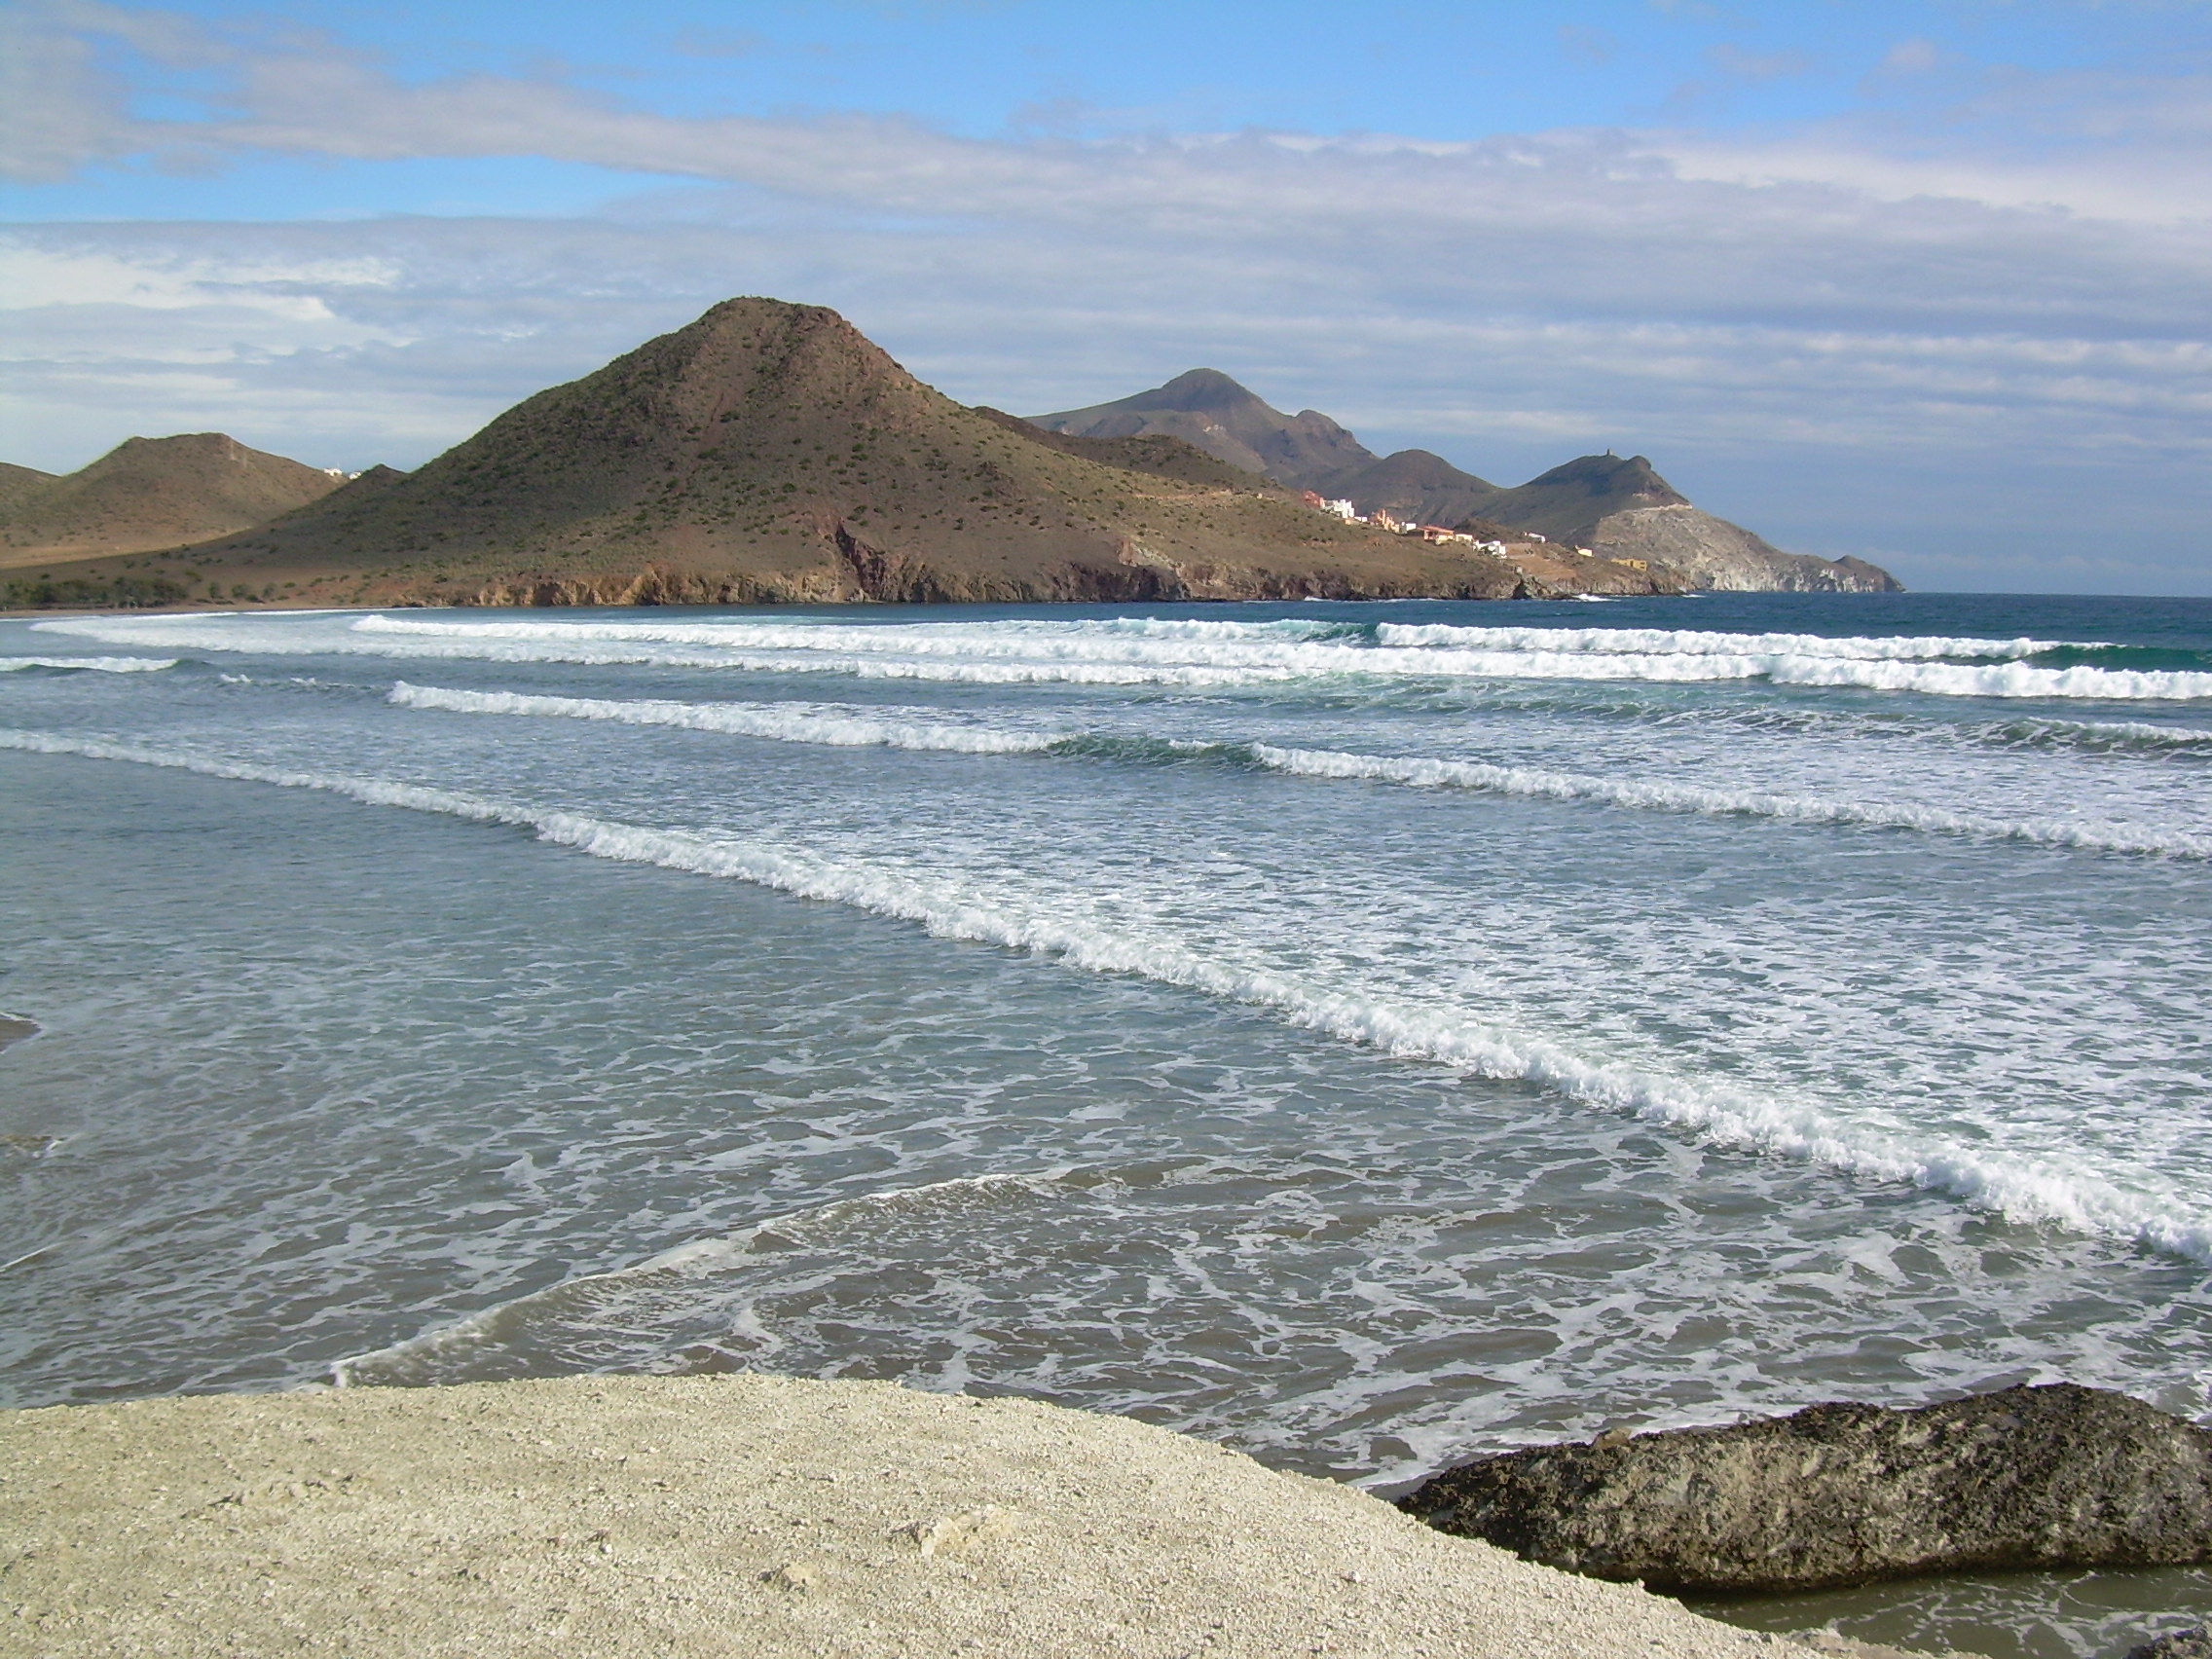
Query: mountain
point(768, 451)
point(1209, 411)
point(1413, 485)
point(16, 481)
point(1618, 509)
point(1621, 508)
point(150, 493)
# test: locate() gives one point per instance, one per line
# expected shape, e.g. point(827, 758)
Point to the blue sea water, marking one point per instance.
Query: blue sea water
point(1367, 1034)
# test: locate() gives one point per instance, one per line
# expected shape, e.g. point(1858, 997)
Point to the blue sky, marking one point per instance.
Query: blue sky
point(1922, 282)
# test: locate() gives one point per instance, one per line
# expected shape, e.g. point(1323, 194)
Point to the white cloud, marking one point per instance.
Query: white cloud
point(36, 276)
point(2012, 336)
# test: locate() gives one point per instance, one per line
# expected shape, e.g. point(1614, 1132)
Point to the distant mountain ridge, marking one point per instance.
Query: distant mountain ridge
point(147, 494)
point(1618, 508)
point(1206, 409)
point(768, 451)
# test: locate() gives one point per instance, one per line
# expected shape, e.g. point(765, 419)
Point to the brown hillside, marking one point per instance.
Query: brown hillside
point(769, 452)
point(1413, 484)
point(1154, 453)
point(19, 482)
point(152, 493)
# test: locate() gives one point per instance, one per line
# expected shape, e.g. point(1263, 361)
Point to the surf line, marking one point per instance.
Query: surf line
point(410, 1360)
point(2019, 1188)
point(846, 726)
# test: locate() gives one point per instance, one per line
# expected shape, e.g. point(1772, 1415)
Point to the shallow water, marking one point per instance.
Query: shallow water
point(1366, 1035)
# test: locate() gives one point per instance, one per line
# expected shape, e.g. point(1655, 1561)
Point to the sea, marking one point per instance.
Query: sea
point(1365, 1035)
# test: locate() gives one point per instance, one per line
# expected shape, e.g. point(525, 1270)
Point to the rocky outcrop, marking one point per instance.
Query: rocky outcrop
point(2052, 1477)
point(1716, 554)
point(2194, 1643)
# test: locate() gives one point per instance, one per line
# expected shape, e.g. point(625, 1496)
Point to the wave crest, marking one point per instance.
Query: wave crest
point(1984, 1176)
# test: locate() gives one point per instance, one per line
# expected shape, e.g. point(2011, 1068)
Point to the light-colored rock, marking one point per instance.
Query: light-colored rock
point(1716, 554)
point(675, 1517)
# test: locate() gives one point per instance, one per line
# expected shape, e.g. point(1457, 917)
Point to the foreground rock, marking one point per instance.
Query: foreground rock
point(2026, 1478)
point(733, 1516)
point(2194, 1643)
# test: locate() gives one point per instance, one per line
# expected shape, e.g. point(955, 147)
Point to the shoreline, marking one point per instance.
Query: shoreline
point(742, 1514)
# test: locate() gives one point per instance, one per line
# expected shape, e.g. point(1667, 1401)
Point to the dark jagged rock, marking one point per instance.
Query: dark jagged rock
point(2050, 1477)
point(2194, 1643)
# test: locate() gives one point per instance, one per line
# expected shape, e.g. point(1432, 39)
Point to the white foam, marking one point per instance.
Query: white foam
point(699, 1255)
point(1024, 652)
point(1537, 783)
point(917, 730)
point(1982, 1175)
point(94, 665)
point(1688, 642)
point(785, 722)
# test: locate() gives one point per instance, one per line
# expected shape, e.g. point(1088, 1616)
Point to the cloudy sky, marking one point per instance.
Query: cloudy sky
point(1931, 283)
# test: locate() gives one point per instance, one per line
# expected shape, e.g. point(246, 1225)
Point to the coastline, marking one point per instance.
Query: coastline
point(736, 1514)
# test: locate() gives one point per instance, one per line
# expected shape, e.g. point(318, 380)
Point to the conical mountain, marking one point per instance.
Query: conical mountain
point(770, 452)
point(1567, 502)
point(150, 493)
point(1205, 408)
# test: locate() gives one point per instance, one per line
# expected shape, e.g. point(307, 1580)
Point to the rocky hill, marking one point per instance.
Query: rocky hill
point(1417, 486)
point(768, 451)
point(1620, 509)
point(149, 492)
point(1206, 409)
point(16, 481)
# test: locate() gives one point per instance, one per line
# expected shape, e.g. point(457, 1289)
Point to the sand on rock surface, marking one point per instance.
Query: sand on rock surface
point(738, 1515)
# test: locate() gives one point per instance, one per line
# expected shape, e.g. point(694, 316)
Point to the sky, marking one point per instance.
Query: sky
point(1929, 283)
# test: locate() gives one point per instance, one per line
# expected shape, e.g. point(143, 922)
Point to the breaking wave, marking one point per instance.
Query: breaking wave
point(1987, 1177)
point(1537, 783)
point(2098, 737)
point(1685, 642)
point(1141, 651)
point(839, 725)
point(788, 723)
point(89, 665)
point(602, 1310)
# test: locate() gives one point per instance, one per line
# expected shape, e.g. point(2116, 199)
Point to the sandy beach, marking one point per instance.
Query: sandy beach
point(737, 1515)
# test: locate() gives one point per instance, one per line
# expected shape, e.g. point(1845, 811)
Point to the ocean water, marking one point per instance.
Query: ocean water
point(1365, 1035)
